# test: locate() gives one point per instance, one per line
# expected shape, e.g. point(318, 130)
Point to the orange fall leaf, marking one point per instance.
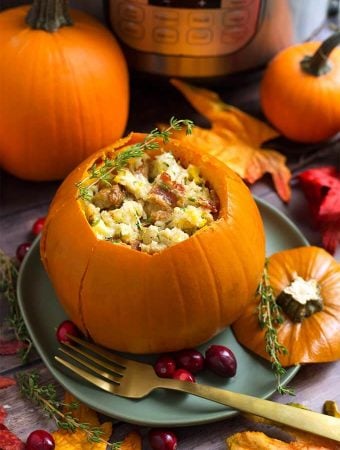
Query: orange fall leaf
point(256, 440)
point(78, 440)
point(235, 138)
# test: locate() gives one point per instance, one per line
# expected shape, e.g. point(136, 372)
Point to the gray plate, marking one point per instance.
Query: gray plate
point(42, 314)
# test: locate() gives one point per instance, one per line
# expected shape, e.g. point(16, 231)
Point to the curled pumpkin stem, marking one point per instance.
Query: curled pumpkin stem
point(49, 15)
point(319, 64)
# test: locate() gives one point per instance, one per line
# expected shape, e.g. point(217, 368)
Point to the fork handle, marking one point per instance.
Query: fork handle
point(301, 419)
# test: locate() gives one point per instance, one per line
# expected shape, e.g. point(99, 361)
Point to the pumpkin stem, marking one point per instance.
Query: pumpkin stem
point(318, 64)
point(48, 15)
point(300, 299)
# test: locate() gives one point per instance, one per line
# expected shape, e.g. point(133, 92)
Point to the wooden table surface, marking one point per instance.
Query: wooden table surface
point(23, 202)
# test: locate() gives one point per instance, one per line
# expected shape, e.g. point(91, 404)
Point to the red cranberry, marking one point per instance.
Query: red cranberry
point(66, 328)
point(22, 250)
point(221, 360)
point(162, 440)
point(191, 360)
point(40, 440)
point(183, 375)
point(38, 226)
point(165, 366)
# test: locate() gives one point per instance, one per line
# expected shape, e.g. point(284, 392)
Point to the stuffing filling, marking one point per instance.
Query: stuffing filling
point(151, 204)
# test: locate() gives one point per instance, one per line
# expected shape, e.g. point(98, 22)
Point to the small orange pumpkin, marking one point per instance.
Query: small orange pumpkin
point(132, 301)
point(64, 89)
point(300, 91)
point(316, 338)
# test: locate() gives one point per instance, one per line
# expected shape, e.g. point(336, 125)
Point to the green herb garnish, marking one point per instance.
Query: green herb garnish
point(45, 396)
point(270, 317)
point(8, 286)
point(103, 172)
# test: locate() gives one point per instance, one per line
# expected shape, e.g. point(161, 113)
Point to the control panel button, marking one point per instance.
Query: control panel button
point(164, 35)
point(200, 19)
point(130, 11)
point(166, 17)
point(235, 17)
point(233, 35)
point(199, 36)
point(131, 29)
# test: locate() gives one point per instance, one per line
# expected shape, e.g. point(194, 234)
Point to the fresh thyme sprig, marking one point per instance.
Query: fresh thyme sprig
point(102, 172)
point(45, 396)
point(8, 284)
point(269, 315)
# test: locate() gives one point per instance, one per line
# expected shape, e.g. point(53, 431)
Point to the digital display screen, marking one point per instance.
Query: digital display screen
point(189, 4)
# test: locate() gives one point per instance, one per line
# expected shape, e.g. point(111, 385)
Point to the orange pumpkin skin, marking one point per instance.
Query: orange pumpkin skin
point(316, 338)
point(63, 94)
point(303, 107)
point(131, 301)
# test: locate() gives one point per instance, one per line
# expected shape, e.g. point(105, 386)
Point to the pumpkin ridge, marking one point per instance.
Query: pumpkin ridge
point(235, 228)
point(180, 282)
point(326, 348)
point(200, 247)
point(293, 337)
point(75, 89)
point(176, 279)
point(51, 214)
point(81, 286)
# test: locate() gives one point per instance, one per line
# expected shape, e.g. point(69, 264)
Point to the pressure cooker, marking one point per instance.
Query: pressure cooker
point(209, 38)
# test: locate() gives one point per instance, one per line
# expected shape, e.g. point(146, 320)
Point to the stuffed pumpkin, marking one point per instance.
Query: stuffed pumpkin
point(148, 250)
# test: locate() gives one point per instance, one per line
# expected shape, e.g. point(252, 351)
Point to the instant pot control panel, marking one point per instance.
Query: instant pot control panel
point(186, 27)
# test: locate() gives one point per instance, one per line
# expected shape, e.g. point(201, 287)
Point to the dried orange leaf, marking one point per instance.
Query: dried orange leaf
point(78, 440)
point(235, 138)
point(83, 413)
point(133, 441)
point(298, 435)
point(256, 440)
point(222, 115)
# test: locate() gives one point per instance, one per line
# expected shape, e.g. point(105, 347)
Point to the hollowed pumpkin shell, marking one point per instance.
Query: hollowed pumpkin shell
point(131, 301)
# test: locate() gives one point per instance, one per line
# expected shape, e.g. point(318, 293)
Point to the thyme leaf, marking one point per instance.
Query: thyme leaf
point(45, 396)
point(270, 317)
point(8, 285)
point(103, 173)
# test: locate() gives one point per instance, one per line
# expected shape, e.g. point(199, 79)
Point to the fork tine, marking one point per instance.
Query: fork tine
point(109, 376)
point(118, 370)
point(112, 357)
point(102, 384)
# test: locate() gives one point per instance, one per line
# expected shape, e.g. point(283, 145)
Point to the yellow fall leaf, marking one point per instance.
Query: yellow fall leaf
point(65, 440)
point(256, 440)
point(301, 440)
point(78, 440)
point(235, 138)
point(83, 413)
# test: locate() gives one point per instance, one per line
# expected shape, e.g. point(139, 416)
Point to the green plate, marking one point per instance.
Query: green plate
point(42, 314)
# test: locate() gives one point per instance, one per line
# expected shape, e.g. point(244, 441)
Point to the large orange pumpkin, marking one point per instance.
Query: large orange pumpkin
point(64, 89)
point(308, 338)
point(132, 301)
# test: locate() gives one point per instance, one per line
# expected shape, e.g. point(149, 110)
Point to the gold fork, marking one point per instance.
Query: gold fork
point(133, 379)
